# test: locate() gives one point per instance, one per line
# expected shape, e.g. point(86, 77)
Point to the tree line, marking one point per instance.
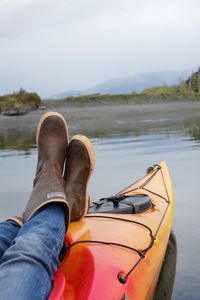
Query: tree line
point(192, 84)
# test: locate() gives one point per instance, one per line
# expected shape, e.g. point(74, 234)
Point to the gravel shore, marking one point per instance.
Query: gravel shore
point(102, 120)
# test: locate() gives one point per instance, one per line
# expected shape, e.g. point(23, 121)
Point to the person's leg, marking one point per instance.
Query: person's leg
point(8, 231)
point(28, 266)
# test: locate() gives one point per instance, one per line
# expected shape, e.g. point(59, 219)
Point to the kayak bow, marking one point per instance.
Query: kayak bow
point(116, 251)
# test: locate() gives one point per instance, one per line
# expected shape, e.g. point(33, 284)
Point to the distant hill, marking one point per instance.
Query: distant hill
point(135, 83)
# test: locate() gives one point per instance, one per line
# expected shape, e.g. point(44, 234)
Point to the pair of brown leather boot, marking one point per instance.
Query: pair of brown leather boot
point(57, 155)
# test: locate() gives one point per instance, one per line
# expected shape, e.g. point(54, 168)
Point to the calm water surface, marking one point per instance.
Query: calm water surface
point(120, 160)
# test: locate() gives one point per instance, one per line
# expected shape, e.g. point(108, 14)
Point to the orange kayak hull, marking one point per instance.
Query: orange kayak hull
point(119, 256)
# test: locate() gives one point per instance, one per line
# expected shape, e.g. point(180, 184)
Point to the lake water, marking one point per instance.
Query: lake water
point(120, 160)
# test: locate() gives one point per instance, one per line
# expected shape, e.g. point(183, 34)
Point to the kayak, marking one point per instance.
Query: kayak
point(116, 251)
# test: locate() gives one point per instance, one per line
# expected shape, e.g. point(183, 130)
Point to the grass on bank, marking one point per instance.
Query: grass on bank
point(19, 100)
point(147, 96)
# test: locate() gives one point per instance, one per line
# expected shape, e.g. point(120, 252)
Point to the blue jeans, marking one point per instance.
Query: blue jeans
point(29, 255)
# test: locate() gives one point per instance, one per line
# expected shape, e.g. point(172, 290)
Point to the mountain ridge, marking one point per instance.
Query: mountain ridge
point(136, 83)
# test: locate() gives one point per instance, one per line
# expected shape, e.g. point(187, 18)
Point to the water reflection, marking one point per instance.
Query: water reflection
point(24, 140)
point(15, 139)
point(164, 288)
point(194, 130)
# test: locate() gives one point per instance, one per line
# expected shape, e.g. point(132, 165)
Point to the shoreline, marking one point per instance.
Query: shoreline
point(111, 119)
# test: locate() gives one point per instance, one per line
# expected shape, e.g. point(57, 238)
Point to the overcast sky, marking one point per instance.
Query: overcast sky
point(52, 46)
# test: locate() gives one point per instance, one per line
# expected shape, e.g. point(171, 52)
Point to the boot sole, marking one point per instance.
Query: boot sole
point(44, 117)
point(86, 142)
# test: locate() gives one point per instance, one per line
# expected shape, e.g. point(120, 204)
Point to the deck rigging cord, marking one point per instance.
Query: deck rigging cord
point(123, 277)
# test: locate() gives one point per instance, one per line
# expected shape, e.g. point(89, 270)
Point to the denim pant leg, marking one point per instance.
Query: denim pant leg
point(27, 267)
point(8, 231)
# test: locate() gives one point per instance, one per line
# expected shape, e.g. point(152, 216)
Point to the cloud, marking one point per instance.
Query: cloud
point(56, 45)
point(28, 16)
